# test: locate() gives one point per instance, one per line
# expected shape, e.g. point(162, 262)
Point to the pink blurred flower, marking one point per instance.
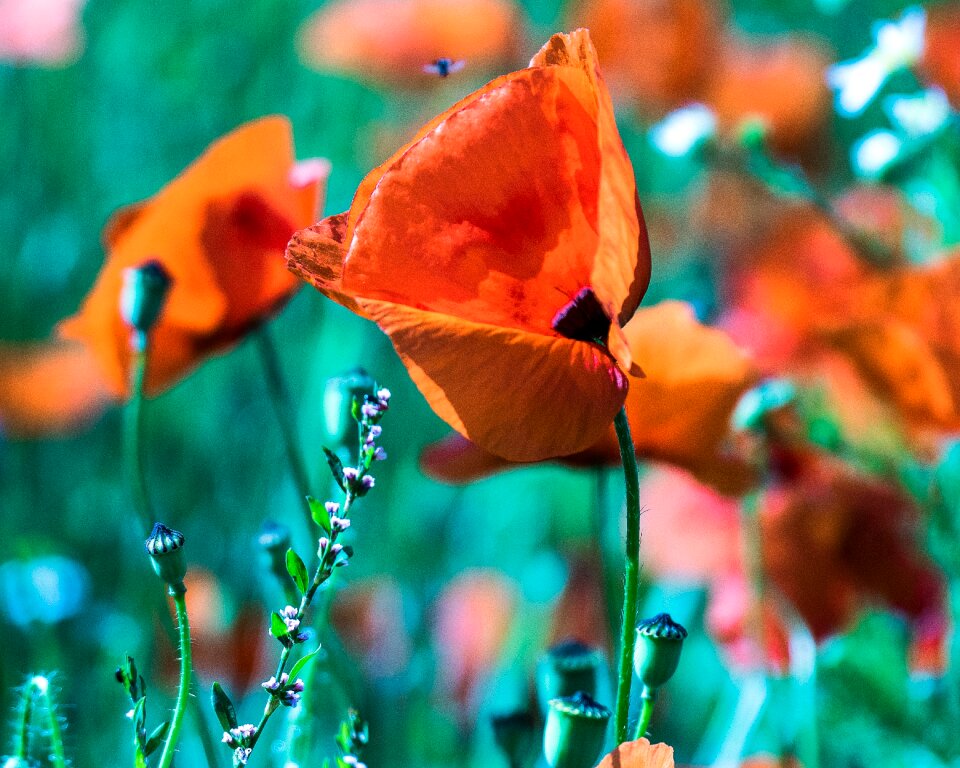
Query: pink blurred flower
point(45, 32)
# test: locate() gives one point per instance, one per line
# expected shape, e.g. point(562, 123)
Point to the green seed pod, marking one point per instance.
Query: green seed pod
point(143, 294)
point(338, 397)
point(657, 650)
point(514, 733)
point(575, 732)
point(566, 668)
point(165, 547)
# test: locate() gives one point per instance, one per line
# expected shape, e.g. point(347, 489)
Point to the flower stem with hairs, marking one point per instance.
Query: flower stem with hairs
point(631, 473)
point(186, 668)
point(35, 693)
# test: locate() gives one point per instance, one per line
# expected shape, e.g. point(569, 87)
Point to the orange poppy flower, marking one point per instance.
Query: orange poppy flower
point(494, 249)
point(678, 413)
point(903, 336)
point(639, 754)
point(657, 52)
point(219, 230)
point(392, 40)
point(939, 62)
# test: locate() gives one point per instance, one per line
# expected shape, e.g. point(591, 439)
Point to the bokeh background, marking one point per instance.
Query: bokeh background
point(454, 591)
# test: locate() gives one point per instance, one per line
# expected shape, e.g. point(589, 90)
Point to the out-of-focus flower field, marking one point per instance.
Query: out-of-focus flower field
point(791, 379)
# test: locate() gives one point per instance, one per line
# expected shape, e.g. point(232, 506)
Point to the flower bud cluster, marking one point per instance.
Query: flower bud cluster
point(283, 690)
point(240, 740)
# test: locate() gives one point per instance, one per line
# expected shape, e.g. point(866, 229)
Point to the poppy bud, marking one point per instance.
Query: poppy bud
point(144, 292)
point(657, 650)
point(566, 668)
point(165, 547)
point(338, 397)
point(514, 734)
point(575, 732)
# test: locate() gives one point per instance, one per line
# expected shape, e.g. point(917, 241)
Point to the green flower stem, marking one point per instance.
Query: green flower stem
point(134, 432)
point(21, 739)
point(183, 693)
point(323, 572)
point(648, 697)
point(282, 409)
point(631, 473)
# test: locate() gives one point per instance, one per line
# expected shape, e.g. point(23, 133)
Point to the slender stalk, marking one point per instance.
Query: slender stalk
point(282, 409)
point(648, 697)
point(183, 693)
point(54, 734)
point(21, 743)
point(753, 558)
point(631, 474)
point(134, 443)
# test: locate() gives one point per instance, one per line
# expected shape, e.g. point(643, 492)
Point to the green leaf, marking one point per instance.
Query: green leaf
point(297, 570)
point(278, 627)
point(318, 511)
point(156, 738)
point(223, 706)
point(302, 663)
point(140, 715)
point(336, 467)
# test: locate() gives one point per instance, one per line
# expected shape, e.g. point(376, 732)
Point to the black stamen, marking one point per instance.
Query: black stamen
point(582, 318)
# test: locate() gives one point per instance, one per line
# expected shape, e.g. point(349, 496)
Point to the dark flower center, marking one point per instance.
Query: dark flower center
point(582, 318)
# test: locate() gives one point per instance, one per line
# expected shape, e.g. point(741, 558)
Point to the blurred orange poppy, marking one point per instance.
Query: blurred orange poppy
point(219, 230)
point(639, 754)
point(678, 413)
point(780, 82)
point(392, 40)
point(939, 62)
point(659, 53)
point(495, 250)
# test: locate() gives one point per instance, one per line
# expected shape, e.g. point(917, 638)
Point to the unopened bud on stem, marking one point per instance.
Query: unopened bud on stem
point(575, 731)
point(165, 547)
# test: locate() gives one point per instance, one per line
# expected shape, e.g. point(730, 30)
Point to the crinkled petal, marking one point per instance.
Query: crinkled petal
point(521, 396)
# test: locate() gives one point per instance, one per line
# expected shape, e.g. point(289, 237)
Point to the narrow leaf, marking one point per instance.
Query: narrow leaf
point(156, 738)
point(318, 510)
point(302, 663)
point(223, 706)
point(278, 627)
point(297, 570)
point(336, 467)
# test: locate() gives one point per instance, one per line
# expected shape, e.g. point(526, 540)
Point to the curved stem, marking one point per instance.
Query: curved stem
point(183, 693)
point(648, 697)
point(57, 756)
point(631, 474)
point(134, 433)
point(280, 401)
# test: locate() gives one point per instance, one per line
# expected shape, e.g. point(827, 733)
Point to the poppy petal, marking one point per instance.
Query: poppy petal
point(316, 255)
point(50, 388)
point(502, 388)
point(639, 754)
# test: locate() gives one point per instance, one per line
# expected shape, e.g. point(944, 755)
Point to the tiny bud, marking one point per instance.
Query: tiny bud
point(383, 395)
point(368, 482)
point(369, 410)
point(575, 731)
point(657, 650)
point(143, 294)
point(566, 668)
point(350, 474)
point(338, 397)
point(165, 547)
point(332, 507)
point(380, 454)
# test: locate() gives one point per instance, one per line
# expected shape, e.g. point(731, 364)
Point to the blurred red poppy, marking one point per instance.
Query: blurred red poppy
point(219, 230)
point(496, 249)
point(639, 754)
point(392, 40)
point(678, 413)
point(833, 541)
